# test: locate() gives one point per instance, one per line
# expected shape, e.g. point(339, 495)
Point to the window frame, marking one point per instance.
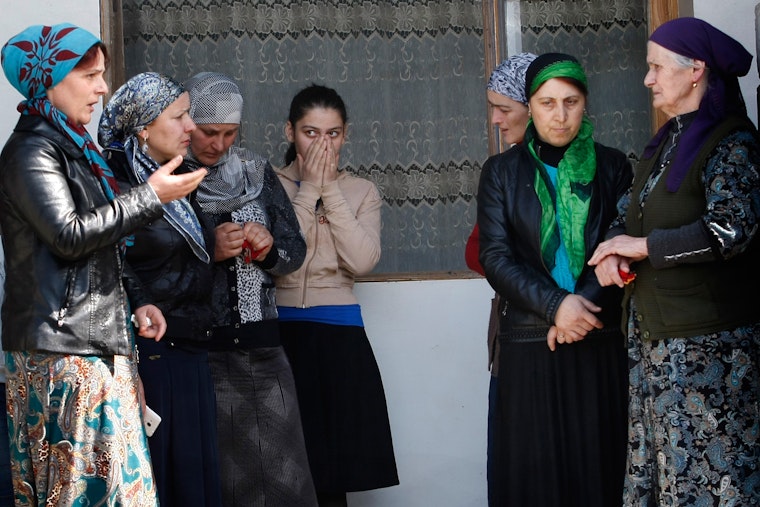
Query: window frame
point(659, 11)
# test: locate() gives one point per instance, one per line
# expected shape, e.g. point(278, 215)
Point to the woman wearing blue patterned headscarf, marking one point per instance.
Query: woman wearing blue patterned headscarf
point(72, 376)
point(145, 123)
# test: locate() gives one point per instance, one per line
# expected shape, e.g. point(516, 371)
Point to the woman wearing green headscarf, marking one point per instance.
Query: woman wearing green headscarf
point(543, 206)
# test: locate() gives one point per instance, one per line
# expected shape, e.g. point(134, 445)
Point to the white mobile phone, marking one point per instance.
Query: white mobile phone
point(151, 421)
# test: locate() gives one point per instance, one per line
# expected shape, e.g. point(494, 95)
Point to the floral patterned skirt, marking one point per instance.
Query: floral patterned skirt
point(694, 420)
point(76, 433)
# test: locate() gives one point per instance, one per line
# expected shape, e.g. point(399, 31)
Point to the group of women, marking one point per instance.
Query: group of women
point(592, 258)
point(238, 277)
point(173, 232)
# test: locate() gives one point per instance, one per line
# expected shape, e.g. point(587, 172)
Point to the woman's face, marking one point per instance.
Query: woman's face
point(169, 134)
point(672, 87)
point(209, 141)
point(509, 116)
point(317, 123)
point(81, 90)
point(557, 109)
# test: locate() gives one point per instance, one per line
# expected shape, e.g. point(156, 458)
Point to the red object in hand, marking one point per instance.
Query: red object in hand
point(249, 254)
point(627, 277)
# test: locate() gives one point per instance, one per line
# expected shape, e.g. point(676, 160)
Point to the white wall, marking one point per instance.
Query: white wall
point(429, 337)
point(429, 340)
point(737, 19)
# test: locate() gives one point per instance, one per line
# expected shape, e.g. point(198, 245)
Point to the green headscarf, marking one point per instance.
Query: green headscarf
point(574, 172)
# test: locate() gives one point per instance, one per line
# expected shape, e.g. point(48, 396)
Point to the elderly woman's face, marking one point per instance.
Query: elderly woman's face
point(672, 87)
point(557, 110)
point(80, 91)
point(169, 134)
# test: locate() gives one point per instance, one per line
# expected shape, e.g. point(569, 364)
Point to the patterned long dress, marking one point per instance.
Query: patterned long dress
point(78, 432)
point(694, 403)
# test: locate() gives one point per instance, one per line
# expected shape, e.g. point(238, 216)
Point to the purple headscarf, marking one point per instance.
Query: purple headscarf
point(726, 60)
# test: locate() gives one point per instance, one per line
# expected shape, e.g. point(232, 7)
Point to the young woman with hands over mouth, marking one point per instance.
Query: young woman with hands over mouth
point(340, 391)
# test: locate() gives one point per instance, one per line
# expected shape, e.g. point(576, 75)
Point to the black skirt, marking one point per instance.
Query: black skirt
point(183, 450)
point(343, 407)
point(561, 423)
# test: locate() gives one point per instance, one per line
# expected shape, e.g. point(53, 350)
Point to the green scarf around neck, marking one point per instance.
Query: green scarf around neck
point(576, 170)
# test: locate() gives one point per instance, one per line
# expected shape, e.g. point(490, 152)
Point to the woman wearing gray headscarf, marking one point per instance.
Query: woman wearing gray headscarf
point(145, 123)
point(263, 456)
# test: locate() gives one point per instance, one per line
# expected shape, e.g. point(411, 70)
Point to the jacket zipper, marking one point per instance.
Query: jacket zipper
point(311, 259)
point(63, 310)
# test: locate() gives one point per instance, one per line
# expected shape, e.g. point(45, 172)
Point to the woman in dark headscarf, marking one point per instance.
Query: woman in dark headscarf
point(146, 123)
point(73, 409)
point(689, 231)
point(543, 206)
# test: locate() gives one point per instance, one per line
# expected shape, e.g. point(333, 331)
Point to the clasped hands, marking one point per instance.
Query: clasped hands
point(576, 315)
point(230, 238)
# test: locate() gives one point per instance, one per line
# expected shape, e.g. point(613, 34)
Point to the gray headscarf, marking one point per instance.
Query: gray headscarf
point(238, 177)
point(508, 78)
point(214, 98)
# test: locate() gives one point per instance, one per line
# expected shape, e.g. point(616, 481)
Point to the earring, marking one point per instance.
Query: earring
point(694, 84)
point(144, 147)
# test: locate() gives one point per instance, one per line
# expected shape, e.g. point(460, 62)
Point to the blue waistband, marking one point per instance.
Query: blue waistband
point(339, 315)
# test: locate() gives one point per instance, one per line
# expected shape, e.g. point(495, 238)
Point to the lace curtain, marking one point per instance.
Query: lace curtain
point(609, 38)
point(412, 74)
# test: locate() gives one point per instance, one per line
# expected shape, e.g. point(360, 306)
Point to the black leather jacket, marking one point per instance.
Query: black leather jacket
point(178, 282)
point(509, 217)
point(66, 288)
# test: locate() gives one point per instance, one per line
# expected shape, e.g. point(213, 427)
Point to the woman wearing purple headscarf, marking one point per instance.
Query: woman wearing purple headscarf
point(688, 232)
point(73, 412)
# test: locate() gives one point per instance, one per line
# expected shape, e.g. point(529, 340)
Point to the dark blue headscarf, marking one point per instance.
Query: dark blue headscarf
point(726, 59)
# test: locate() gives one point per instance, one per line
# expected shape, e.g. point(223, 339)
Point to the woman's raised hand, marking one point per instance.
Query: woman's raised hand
point(169, 186)
point(331, 163)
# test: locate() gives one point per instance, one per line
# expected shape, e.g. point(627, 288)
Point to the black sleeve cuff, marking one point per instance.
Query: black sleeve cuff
point(687, 244)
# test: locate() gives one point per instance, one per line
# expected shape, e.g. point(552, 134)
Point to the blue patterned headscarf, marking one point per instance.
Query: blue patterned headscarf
point(508, 78)
point(134, 106)
point(39, 58)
